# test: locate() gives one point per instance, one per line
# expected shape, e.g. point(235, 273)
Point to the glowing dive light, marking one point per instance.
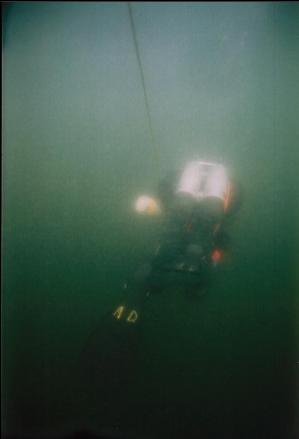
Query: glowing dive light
point(147, 205)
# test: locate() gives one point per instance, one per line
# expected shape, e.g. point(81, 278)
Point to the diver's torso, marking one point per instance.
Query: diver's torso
point(185, 243)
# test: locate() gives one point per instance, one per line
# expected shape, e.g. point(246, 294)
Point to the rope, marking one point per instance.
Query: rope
point(153, 141)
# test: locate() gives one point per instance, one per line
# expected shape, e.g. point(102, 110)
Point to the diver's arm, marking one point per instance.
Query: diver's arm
point(160, 202)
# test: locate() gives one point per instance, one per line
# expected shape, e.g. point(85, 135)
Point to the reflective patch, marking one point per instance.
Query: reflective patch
point(132, 317)
point(119, 312)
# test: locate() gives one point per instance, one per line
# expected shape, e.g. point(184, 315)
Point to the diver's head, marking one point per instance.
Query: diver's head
point(147, 205)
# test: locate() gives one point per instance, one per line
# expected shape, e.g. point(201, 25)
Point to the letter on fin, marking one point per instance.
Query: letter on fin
point(118, 312)
point(133, 316)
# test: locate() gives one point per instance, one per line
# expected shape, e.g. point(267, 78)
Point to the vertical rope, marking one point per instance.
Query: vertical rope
point(152, 137)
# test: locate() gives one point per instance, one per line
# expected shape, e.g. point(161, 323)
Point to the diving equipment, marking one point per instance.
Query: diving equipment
point(202, 180)
point(147, 205)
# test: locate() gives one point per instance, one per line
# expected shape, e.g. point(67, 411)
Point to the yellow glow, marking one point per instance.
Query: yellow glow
point(119, 312)
point(227, 198)
point(133, 316)
point(147, 205)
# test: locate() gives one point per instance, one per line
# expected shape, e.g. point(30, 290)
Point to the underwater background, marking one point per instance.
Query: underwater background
point(222, 84)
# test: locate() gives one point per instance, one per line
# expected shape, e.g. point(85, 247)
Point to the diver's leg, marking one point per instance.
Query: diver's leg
point(134, 295)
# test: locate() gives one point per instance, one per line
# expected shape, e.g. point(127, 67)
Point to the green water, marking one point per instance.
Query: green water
point(222, 84)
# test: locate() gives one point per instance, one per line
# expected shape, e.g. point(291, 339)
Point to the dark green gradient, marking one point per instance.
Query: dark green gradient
point(222, 83)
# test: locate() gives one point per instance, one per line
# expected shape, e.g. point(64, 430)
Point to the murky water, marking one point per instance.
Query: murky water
point(222, 83)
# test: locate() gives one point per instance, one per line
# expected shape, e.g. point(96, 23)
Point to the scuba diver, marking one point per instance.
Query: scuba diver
point(196, 207)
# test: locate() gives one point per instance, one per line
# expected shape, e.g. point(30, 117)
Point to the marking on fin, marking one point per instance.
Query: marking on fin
point(132, 317)
point(119, 312)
